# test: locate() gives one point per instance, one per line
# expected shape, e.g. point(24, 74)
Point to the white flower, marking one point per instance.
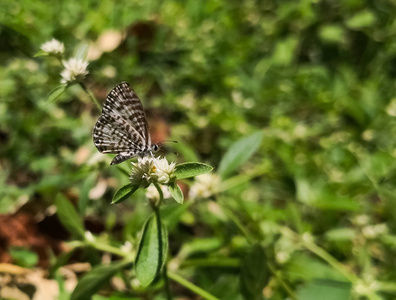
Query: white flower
point(75, 70)
point(153, 194)
point(127, 247)
point(149, 170)
point(164, 170)
point(53, 47)
point(205, 185)
point(373, 231)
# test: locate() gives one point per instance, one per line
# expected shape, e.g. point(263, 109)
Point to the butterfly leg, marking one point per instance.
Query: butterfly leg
point(119, 159)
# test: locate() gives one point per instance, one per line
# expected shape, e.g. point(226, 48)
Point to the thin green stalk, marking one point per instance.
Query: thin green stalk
point(211, 262)
point(107, 248)
point(167, 285)
point(156, 209)
point(91, 95)
point(192, 287)
point(230, 214)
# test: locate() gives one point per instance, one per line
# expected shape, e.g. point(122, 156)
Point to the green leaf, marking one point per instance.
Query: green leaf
point(153, 248)
point(191, 169)
point(41, 53)
point(177, 193)
point(91, 282)
point(68, 216)
point(254, 273)
point(56, 92)
point(239, 153)
point(84, 194)
point(24, 257)
point(327, 289)
point(81, 51)
point(124, 193)
point(362, 19)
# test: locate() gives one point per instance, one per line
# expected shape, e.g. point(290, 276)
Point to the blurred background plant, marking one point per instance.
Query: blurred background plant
point(292, 102)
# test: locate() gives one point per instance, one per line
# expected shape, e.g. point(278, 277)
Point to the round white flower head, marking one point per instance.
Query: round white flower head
point(164, 170)
point(204, 186)
point(75, 70)
point(153, 194)
point(53, 47)
point(149, 170)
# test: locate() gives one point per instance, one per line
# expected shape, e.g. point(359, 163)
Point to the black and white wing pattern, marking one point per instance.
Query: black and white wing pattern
point(122, 128)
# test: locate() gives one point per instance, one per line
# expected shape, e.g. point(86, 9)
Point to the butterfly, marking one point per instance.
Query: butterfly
point(122, 128)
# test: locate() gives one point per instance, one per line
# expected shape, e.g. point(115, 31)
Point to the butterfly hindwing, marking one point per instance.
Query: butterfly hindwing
point(122, 128)
point(122, 101)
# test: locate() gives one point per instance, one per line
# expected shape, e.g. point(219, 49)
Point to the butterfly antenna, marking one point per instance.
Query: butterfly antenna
point(172, 141)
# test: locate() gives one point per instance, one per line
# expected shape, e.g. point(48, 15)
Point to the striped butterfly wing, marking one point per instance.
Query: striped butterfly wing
point(122, 128)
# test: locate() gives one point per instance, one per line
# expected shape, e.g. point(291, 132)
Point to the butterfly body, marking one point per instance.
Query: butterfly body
point(122, 128)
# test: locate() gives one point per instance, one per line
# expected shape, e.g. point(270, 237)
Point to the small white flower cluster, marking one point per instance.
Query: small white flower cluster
point(149, 170)
point(374, 231)
point(75, 70)
point(205, 185)
point(53, 47)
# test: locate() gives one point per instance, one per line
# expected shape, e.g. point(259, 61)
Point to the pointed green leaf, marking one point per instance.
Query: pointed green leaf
point(91, 282)
point(328, 289)
point(84, 193)
point(191, 169)
point(68, 216)
point(152, 251)
point(254, 273)
point(177, 193)
point(239, 153)
point(41, 53)
point(56, 92)
point(124, 193)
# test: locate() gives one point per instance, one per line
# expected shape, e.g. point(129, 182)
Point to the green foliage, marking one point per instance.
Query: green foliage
point(177, 193)
point(254, 273)
point(57, 92)
point(67, 214)
point(239, 153)
point(187, 170)
point(123, 193)
point(327, 289)
point(292, 102)
point(24, 257)
point(153, 248)
point(92, 281)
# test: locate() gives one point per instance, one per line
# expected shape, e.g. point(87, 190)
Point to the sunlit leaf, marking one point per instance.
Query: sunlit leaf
point(191, 169)
point(177, 193)
point(239, 153)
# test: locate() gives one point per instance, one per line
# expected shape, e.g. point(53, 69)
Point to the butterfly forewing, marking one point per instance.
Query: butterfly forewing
point(122, 128)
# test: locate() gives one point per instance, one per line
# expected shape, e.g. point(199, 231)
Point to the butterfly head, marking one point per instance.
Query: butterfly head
point(155, 148)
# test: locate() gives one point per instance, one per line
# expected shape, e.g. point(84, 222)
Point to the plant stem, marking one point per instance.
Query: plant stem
point(91, 95)
point(192, 287)
point(167, 286)
point(156, 209)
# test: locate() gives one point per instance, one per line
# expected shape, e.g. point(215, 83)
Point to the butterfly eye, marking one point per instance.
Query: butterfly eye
point(155, 148)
